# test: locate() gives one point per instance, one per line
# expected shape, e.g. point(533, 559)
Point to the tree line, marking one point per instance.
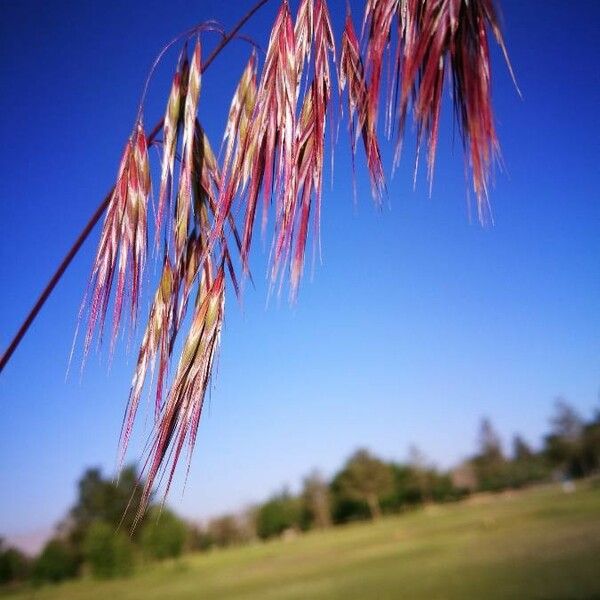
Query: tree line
point(100, 537)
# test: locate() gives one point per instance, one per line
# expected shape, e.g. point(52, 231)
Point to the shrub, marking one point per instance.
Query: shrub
point(108, 553)
point(57, 562)
point(164, 535)
point(225, 531)
point(278, 514)
point(14, 565)
point(199, 539)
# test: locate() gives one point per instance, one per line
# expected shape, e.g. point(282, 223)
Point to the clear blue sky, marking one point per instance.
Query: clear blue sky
point(417, 324)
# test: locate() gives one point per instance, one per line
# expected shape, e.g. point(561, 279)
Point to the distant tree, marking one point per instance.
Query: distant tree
point(490, 445)
point(418, 483)
point(164, 534)
point(591, 445)
point(526, 465)
point(57, 561)
point(521, 449)
point(108, 553)
point(489, 464)
point(246, 523)
point(443, 488)
point(199, 539)
point(14, 565)
point(566, 421)
point(106, 500)
point(563, 445)
point(317, 504)
point(421, 473)
point(464, 477)
point(406, 491)
point(225, 531)
point(366, 478)
point(345, 509)
point(278, 514)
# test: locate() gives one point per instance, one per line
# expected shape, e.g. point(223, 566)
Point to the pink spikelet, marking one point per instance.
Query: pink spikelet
point(304, 32)
point(184, 195)
point(379, 16)
point(360, 118)
point(133, 227)
point(155, 344)
point(271, 161)
point(452, 35)
point(310, 137)
point(180, 415)
point(124, 235)
point(171, 126)
point(238, 148)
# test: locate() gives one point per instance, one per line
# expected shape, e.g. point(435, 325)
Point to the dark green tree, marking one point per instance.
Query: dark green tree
point(489, 464)
point(164, 534)
point(58, 561)
point(563, 445)
point(591, 445)
point(111, 501)
point(108, 553)
point(521, 449)
point(14, 565)
point(281, 512)
point(365, 478)
point(526, 465)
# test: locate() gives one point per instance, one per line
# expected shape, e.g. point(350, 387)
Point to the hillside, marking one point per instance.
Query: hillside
point(541, 543)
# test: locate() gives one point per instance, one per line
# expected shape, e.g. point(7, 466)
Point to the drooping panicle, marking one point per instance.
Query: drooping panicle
point(273, 147)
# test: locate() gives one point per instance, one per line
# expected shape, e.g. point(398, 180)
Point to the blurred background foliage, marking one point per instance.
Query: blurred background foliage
point(100, 536)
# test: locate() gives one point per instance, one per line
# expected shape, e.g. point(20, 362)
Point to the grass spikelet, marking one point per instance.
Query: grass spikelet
point(310, 160)
point(134, 226)
point(155, 344)
point(352, 75)
point(271, 158)
point(452, 35)
point(303, 32)
point(310, 137)
point(238, 149)
point(184, 195)
point(171, 125)
point(180, 415)
point(124, 237)
point(379, 16)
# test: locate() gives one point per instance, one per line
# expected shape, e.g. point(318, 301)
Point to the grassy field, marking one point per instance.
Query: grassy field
point(541, 543)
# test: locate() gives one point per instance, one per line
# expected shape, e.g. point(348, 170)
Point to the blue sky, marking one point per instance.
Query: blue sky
point(417, 323)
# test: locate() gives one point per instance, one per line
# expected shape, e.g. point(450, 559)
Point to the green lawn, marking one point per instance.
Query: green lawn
point(541, 543)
